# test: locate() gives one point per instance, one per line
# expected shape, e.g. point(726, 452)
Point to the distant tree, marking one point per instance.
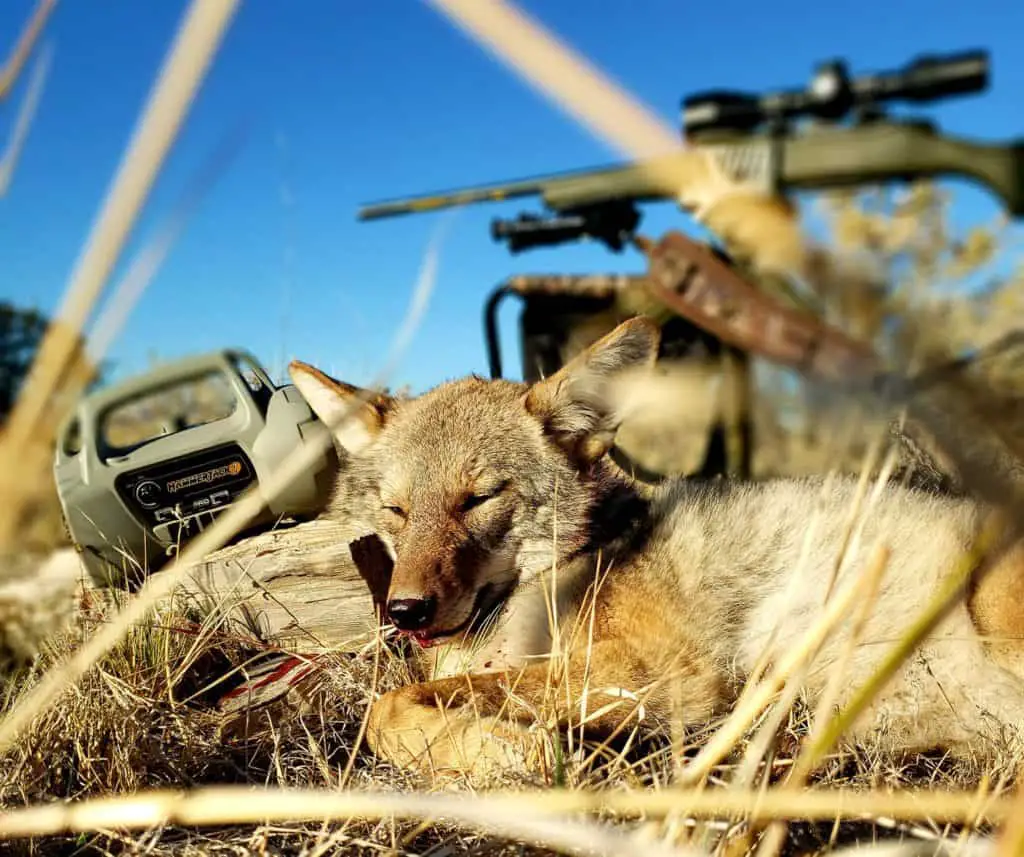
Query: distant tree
point(21, 331)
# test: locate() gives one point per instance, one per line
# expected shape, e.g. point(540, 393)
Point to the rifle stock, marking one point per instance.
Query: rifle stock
point(891, 152)
point(818, 159)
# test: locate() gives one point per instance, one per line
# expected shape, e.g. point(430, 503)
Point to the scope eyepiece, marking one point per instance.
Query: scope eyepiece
point(738, 111)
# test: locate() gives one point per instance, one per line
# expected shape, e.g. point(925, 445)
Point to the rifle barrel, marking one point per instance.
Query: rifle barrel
point(820, 159)
point(598, 184)
point(447, 199)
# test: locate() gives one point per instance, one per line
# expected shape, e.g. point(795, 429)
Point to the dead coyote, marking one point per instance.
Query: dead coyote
point(513, 535)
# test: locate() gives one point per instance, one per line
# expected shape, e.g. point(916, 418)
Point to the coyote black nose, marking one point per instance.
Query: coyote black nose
point(411, 614)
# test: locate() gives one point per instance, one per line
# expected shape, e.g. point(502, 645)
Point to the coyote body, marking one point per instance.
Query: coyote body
point(521, 552)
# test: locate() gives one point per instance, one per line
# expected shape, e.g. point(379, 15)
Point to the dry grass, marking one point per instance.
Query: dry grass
point(144, 720)
point(121, 703)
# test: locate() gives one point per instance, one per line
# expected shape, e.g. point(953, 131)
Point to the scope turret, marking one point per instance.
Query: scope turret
point(832, 93)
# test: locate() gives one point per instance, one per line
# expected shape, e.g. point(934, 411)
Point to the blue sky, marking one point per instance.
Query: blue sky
point(351, 102)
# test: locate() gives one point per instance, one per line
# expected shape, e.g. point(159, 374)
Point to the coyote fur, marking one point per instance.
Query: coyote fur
point(517, 543)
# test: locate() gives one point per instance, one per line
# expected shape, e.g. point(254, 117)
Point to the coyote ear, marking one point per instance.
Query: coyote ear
point(575, 404)
point(355, 416)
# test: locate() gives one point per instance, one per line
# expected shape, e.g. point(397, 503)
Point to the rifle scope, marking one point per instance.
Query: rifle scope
point(832, 93)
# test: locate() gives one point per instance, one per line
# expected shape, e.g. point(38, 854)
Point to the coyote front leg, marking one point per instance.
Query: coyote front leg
point(472, 722)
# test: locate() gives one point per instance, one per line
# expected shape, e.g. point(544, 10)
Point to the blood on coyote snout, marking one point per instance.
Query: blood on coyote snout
point(514, 537)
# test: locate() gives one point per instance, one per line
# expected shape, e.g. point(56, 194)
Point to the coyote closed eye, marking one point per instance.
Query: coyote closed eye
point(480, 488)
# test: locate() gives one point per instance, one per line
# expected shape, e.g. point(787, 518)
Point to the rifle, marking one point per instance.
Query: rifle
point(753, 140)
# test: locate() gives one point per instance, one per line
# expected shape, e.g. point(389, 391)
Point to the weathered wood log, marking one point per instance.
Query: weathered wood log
point(296, 586)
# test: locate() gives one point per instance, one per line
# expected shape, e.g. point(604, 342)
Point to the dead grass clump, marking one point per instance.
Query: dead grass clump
point(121, 730)
point(145, 718)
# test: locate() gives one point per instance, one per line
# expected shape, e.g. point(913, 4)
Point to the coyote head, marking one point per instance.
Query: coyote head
point(477, 485)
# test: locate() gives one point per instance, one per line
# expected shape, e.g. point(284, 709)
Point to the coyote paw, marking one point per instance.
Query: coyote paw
point(436, 741)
